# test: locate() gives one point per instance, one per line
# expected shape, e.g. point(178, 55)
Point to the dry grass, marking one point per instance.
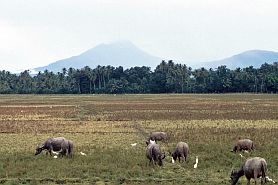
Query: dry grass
point(105, 126)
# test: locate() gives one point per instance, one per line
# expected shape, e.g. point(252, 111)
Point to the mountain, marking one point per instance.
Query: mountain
point(126, 54)
point(121, 53)
point(253, 58)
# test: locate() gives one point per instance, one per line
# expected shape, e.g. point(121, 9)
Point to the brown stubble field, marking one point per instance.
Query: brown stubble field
point(104, 126)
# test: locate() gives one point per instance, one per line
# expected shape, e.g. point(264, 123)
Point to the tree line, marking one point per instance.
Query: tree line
point(167, 77)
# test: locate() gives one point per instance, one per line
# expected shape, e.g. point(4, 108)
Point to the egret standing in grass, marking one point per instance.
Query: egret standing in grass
point(150, 142)
point(134, 144)
point(82, 153)
point(173, 161)
point(197, 160)
point(269, 179)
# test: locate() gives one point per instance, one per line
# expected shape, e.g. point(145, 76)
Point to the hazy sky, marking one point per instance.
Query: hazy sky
point(35, 33)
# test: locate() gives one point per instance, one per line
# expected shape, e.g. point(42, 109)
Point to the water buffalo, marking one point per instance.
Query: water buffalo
point(58, 145)
point(154, 154)
point(243, 144)
point(252, 168)
point(181, 151)
point(157, 136)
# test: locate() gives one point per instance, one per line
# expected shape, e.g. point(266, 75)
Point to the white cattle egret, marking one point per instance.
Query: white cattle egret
point(55, 156)
point(134, 144)
point(83, 153)
point(173, 161)
point(152, 141)
point(269, 179)
point(56, 153)
point(195, 165)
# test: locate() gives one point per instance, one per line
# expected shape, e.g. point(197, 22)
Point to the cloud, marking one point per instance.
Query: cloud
point(35, 33)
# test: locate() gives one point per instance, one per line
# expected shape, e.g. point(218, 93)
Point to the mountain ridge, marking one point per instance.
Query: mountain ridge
point(247, 58)
point(121, 53)
point(126, 54)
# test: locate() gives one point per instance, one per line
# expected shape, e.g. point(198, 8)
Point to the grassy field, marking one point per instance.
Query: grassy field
point(104, 126)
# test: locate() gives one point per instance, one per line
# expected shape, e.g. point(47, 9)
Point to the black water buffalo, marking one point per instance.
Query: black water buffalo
point(181, 151)
point(58, 145)
point(156, 136)
point(243, 144)
point(154, 154)
point(252, 168)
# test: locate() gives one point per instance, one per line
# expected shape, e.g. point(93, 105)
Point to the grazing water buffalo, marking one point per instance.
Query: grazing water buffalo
point(181, 151)
point(154, 154)
point(243, 144)
point(252, 168)
point(59, 144)
point(157, 136)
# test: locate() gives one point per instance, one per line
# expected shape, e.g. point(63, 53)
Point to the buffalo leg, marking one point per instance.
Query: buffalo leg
point(50, 150)
point(183, 158)
point(248, 181)
point(263, 180)
point(152, 162)
point(255, 179)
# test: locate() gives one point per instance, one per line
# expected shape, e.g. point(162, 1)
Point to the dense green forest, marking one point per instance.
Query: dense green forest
point(167, 77)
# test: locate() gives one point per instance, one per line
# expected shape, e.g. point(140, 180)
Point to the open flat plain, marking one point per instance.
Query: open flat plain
point(105, 126)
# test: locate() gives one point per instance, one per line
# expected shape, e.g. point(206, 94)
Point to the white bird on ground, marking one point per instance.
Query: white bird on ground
point(173, 161)
point(241, 155)
point(269, 179)
point(195, 165)
point(55, 156)
point(134, 144)
point(82, 153)
point(56, 153)
point(152, 141)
